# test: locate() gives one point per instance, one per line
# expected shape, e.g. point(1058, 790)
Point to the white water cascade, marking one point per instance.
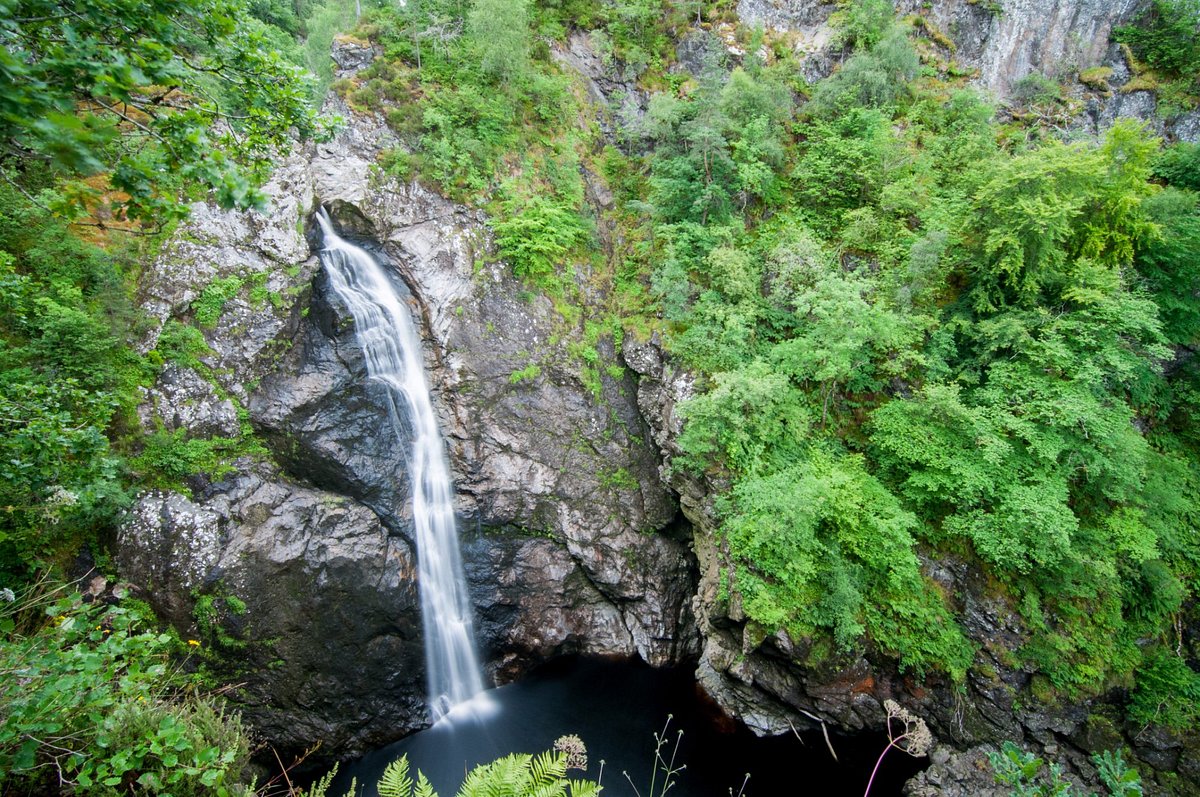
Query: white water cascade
point(392, 350)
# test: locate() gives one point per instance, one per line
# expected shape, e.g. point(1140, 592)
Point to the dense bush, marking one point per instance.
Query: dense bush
point(95, 704)
point(66, 378)
point(1164, 36)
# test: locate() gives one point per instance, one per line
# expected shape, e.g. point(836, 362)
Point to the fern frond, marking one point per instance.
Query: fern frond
point(547, 767)
point(554, 788)
point(395, 781)
point(583, 788)
point(424, 787)
point(504, 777)
point(322, 785)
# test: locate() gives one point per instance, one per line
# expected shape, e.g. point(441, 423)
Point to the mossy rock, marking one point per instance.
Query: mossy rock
point(1096, 78)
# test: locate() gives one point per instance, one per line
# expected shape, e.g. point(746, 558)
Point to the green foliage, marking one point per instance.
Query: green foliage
point(526, 374)
point(875, 77)
point(207, 308)
point(1058, 222)
point(534, 236)
point(133, 91)
point(65, 379)
point(169, 458)
point(212, 613)
point(516, 775)
point(1168, 691)
point(946, 344)
point(325, 21)
point(1120, 780)
point(748, 420)
point(1035, 89)
point(1179, 165)
point(1164, 36)
point(823, 545)
point(843, 162)
point(1170, 263)
point(182, 344)
point(94, 706)
point(499, 30)
point(1022, 771)
point(465, 132)
point(863, 23)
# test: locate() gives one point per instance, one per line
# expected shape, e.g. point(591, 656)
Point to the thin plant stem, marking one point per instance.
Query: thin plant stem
point(891, 743)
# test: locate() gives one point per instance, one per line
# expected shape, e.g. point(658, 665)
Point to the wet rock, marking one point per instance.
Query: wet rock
point(168, 545)
point(577, 545)
point(536, 602)
point(957, 774)
point(328, 647)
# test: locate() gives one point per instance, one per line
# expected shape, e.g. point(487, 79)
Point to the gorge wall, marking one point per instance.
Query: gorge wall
point(578, 535)
point(571, 542)
point(1001, 42)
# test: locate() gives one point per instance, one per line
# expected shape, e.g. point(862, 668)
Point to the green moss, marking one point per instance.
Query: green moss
point(1096, 78)
point(526, 374)
point(208, 307)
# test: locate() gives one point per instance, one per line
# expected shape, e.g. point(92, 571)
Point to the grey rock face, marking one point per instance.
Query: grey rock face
point(619, 94)
point(169, 545)
point(1051, 37)
point(329, 595)
point(183, 399)
point(351, 56)
point(558, 486)
point(1056, 38)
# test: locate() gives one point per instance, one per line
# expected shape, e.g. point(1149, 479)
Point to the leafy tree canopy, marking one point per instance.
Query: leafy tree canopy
point(131, 100)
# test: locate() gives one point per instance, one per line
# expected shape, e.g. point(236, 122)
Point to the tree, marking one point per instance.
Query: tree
point(499, 30)
point(131, 100)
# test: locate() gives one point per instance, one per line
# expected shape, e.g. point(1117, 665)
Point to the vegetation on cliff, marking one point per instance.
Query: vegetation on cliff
point(920, 333)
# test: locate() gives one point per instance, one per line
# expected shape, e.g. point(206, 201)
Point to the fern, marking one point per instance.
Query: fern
point(583, 788)
point(424, 788)
point(520, 775)
point(516, 775)
point(322, 785)
point(396, 781)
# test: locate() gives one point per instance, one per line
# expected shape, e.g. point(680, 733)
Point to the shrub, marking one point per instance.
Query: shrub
point(94, 706)
point(1179, 165)
point(1164, 36)
point(1035, 89)
point(1167, 692)
point(535, 234)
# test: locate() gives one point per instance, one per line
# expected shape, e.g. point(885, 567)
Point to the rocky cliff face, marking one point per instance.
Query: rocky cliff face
point(572, 544)
point(1002, 41)
point(763, 680)
point(577, 537)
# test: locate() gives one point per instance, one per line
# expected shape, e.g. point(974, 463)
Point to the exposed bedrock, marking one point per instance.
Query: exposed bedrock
point(1003, 41)
point(572, 543)
point(770, 682)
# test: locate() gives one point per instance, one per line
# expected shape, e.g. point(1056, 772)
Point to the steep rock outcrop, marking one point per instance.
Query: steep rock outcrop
point(1003, 41)
point(329, 598)
point(770, 683)
point(559, 495)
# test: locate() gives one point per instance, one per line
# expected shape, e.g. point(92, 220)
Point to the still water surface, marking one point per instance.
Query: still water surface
point(616, 708)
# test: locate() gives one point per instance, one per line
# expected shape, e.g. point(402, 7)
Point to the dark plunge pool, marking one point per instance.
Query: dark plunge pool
point(616, 708)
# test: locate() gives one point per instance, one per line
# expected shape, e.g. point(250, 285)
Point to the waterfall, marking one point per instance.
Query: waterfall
point(392, 350)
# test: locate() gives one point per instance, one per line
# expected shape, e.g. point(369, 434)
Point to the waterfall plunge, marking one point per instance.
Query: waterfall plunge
point(385, 331)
